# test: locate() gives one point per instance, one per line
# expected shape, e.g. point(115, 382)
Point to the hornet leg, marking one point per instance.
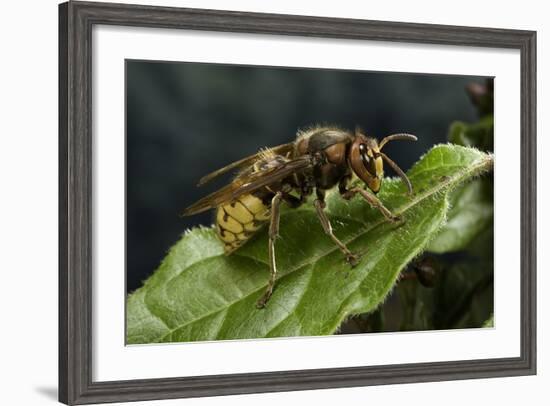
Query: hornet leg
point(319, 203)
point(273, 234)
point(372, 200)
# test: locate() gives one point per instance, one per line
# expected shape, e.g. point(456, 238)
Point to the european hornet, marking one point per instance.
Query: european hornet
point(320, 159)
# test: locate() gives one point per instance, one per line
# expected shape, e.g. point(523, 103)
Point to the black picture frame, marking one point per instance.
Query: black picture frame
point(76, 20)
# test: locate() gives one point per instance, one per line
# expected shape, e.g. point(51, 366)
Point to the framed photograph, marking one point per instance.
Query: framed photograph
point(259, 202)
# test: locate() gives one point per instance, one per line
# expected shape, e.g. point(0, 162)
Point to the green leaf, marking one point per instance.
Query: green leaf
point(198, 293)
point(490, 322)
point(471, 212)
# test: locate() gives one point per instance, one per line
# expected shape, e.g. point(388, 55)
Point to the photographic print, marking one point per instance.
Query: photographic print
point(317, 187)
point(266, 202)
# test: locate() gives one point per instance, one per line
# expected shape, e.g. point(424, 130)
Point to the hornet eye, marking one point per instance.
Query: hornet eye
point(363, 152)
point(368, 162)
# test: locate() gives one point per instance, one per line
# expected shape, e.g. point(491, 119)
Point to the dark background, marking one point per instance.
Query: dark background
point(184, 120)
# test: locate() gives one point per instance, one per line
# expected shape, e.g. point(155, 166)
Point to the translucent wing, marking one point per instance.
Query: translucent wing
point(248, 183)
point(282, 149)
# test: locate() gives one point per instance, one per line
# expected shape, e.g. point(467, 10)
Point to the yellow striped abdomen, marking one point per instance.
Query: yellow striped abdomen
point(237, 221)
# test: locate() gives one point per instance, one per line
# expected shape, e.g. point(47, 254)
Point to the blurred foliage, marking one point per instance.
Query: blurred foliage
point(198, 293)
point(459, 258)
point(471, 213)
point(478, 135)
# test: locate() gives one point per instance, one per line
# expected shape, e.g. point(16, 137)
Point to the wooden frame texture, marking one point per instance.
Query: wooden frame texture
point(76, 20)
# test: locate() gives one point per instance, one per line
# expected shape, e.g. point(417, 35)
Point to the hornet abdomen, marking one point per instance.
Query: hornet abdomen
point(237, 221)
